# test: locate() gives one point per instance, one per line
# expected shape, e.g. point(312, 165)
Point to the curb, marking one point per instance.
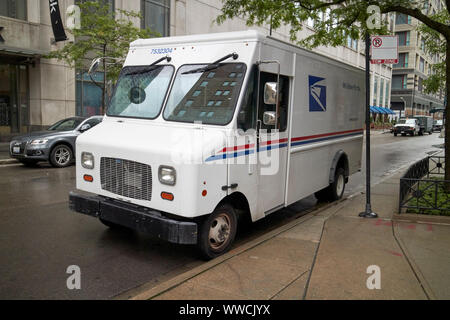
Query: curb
point(8, 161)
point(164, 286)
point(421, 218)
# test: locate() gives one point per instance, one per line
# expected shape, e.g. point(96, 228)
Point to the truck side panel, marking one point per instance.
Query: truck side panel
point(327, 117)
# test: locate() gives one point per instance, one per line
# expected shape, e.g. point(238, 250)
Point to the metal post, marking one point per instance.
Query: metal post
point(368, 213)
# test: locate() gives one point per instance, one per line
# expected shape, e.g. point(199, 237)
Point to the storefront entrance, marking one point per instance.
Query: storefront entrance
point(14, 99)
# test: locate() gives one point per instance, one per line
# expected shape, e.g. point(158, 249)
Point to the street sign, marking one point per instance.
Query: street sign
point(384, 49)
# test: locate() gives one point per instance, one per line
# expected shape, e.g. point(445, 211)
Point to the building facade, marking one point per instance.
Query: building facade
point(36, 92)
point(414, 66)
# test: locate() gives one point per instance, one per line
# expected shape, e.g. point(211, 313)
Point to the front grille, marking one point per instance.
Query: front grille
point(126, 178)
point(21, 144)
point(403, 128)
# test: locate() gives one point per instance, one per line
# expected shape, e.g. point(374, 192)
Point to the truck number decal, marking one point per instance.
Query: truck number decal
point(161, 50)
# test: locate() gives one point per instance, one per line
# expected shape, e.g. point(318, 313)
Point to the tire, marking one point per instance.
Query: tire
point(322, 195)
point(217, 232)
point(61, 156)
point(395, 134)
point(431, 132)
point(28, 162)
point(335, 190)
point(403, 134)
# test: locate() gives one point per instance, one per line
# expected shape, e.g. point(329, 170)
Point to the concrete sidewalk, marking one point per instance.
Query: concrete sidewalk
point(325, 255)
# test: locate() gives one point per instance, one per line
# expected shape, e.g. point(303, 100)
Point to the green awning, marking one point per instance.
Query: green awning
point(21, 52)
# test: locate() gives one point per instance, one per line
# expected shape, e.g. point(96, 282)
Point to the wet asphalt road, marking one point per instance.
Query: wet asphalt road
point(40, 237)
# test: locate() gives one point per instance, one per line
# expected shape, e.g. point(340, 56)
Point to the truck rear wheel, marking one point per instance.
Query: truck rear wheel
point(335, 190)
point(217, 232)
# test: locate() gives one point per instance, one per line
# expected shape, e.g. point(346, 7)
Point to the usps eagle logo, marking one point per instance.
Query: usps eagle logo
point(317, 94)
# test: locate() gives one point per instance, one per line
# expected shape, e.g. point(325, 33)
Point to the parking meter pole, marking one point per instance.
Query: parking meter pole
point(368, 213)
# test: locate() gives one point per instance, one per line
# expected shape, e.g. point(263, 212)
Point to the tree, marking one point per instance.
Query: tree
point(102, 34)
point(334, 20)
point(435, 45)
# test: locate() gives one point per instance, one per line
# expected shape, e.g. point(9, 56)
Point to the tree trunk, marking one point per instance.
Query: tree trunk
point(104, 82)
point(447, 117)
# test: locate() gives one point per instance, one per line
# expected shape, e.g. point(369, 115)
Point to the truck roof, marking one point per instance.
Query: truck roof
point(248, 35)
point(234, 36)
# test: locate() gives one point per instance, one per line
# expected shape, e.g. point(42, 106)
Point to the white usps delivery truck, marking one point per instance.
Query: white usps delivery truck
point(202, 130)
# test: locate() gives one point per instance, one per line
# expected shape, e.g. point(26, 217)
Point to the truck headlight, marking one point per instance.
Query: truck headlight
point(87, 160)
point(167, 175)
point(39, 141)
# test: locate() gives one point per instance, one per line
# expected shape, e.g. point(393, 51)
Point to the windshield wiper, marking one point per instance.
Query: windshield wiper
point(149, 67)
point(159, 60)
point(213, 65)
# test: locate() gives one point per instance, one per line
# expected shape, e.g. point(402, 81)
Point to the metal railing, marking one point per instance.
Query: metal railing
point(418, 194)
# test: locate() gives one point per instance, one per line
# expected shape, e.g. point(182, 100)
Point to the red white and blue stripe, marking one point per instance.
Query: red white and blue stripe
point(237, 151)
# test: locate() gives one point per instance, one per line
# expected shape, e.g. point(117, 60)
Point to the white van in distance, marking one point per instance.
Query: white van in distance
point(203, 129)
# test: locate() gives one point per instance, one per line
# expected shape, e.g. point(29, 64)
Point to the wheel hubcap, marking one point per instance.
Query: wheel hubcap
point(62, 156)
point(219, 231)
point(340, 185)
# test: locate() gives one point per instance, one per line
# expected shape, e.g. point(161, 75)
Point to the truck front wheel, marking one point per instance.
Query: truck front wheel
point(217, 232)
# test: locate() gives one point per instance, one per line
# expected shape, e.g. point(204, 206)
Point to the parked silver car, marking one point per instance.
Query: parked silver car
point(56, 144)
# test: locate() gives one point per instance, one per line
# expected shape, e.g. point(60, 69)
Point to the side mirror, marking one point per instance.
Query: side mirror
point(85, 127)
point(94, 66)
point(270, 93)
point(270, 118)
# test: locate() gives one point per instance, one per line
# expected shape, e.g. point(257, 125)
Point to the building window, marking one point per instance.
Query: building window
point(399, 81)
point(422, 65)
point(403, 38)
point(402, 61)
point(352, 43)
point(14, 98)
point(402, 19)
point(420, 85)
point(155, 15)
point(88, 94)
point(375, 90)
point(422, 44)
point(109, 3)
point(381, 91)
point(16, 9)
point(386, 98)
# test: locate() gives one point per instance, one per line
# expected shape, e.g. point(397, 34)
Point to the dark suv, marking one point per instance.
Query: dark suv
point(56, 144)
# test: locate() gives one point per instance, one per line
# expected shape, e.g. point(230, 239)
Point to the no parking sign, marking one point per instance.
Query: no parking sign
point(384, 49)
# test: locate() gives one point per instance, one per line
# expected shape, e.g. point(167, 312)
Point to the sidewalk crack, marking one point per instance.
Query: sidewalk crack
point(429, 295)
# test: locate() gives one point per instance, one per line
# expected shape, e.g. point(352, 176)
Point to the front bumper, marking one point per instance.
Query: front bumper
point(409, 131)
point(27, 151)
point(135, 217)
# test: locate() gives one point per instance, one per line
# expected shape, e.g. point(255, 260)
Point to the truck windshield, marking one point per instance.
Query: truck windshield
point(140, 91)
point(208, 97)
point(406, 121)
